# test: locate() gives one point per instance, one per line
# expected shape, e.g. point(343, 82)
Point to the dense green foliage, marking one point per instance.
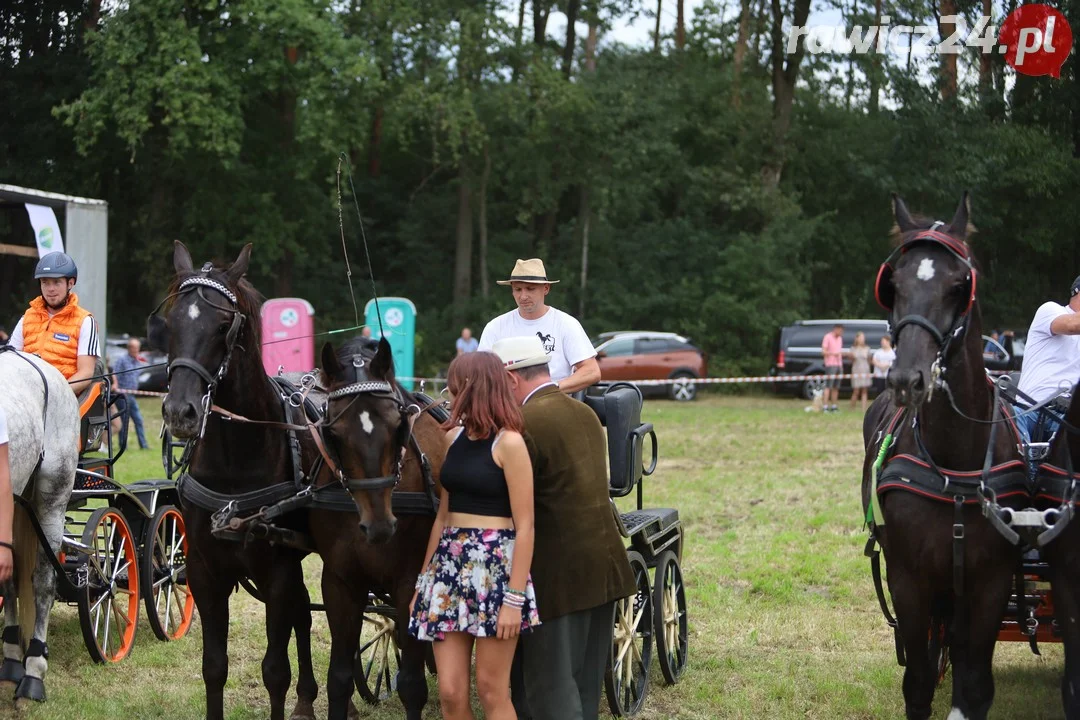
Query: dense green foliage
point(472, 142)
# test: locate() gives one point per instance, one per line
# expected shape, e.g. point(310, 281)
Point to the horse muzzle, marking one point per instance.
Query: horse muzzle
point(908, 386)
point(182, 418)
point(379, 532)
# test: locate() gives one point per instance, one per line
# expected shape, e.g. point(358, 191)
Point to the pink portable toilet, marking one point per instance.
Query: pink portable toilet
point(288, 325)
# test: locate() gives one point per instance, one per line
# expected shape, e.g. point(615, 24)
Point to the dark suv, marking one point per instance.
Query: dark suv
point(797, 352)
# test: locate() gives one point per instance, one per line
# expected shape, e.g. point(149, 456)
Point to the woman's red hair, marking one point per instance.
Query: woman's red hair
point(483, 401)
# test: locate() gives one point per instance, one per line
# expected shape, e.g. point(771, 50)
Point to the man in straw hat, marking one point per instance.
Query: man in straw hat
point(579, 563)
point(572, 363)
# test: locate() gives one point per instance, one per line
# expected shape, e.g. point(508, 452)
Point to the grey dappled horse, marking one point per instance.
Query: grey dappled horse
point(50, 435)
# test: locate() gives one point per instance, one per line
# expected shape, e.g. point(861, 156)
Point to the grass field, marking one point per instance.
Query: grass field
point(783, 618)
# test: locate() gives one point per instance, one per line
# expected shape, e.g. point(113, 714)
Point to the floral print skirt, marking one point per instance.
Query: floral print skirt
point(461, 589)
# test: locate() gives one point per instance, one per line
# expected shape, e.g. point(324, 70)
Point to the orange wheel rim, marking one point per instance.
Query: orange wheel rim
point(172, 598)
point(115, 612)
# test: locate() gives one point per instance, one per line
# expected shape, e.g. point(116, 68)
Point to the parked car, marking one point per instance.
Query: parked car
point(152, 379)
point(645, 355)
point(797, 352)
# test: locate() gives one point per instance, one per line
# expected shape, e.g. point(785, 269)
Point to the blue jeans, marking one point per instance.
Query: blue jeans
point(131, 411)
point(1037, 426)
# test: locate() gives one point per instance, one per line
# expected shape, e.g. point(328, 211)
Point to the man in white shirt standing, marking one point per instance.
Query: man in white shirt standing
point(1051, 360)
point(572, 363)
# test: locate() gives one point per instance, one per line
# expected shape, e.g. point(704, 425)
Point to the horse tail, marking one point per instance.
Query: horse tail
point(25, 541)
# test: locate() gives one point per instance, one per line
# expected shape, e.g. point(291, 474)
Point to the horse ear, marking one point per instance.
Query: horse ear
point(331, 365)
point(157, 333)
point(960, 227)
point(382, 365)
point(240, 266)
point(181, 259)
point(903, 218)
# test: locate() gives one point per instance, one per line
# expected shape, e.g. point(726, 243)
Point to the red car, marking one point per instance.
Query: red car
point(642, 355)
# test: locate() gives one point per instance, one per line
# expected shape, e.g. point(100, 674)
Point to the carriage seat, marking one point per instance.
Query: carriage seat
point(94, 405)
point(1037, 449)
point(618, 406)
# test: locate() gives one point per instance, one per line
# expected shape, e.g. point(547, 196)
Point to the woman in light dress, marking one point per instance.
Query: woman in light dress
point(860, 370)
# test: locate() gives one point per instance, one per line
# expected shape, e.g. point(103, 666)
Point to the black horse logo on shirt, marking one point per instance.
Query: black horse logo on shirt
point(548, 340)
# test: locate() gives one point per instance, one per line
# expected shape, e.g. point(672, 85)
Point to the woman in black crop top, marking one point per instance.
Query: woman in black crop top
point(475, 588)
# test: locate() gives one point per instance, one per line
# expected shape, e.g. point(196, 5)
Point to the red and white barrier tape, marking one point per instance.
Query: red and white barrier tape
point(667, 381)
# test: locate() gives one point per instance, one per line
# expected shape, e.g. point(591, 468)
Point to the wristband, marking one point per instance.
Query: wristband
point(9, 546)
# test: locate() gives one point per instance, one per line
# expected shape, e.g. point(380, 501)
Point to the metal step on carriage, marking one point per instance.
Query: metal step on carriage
point(122, 544)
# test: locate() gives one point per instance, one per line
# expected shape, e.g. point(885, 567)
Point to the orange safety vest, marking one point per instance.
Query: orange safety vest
point(55, 339)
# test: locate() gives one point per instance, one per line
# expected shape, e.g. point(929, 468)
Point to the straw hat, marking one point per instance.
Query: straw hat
point(520, 352)
point(531, 271)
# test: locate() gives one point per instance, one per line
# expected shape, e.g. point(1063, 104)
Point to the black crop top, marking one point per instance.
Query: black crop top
point(476, 484)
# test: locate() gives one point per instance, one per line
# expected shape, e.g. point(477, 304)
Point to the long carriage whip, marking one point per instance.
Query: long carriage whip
point(363, 236)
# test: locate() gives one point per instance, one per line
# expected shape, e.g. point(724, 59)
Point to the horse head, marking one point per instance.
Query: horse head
point(212, 313)
point(368, 424)
point(928, 287)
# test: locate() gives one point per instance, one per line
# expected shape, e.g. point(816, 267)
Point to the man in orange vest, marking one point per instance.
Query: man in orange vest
point(55, 327)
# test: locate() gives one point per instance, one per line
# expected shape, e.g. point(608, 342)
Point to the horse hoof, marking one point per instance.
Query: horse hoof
point(11, 674)
point(303, 711)
point(31, 688)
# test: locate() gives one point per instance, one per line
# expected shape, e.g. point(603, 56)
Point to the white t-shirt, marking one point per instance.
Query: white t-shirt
point(886, 357)
point(564, 339)
point(3, 427)
point(88, 339)
point(1050, 361)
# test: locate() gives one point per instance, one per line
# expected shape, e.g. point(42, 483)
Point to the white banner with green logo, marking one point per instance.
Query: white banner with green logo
point(46, 229)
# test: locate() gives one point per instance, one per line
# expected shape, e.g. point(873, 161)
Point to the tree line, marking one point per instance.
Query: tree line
point(709, 183)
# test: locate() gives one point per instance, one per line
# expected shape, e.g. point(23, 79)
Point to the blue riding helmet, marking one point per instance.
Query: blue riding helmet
point(56, 265)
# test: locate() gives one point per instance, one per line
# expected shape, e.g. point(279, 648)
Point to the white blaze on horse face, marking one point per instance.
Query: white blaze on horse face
point(926, 270)
point(193, 311)
point(956, 715)
point(365, 422)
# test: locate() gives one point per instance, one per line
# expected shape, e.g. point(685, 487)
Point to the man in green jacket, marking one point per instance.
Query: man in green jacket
point(579, 565)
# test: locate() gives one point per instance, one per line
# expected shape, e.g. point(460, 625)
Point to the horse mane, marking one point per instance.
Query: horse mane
point(365, 347)
point(898, 238)
point(248, 299)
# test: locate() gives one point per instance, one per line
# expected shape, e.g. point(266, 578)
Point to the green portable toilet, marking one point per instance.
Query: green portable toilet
point(399, 326)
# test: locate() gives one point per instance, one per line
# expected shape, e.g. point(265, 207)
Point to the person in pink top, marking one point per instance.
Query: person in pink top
point(832, 347)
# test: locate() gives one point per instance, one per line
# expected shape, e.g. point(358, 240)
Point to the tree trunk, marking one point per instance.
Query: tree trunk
point(680, 24)
point(287, 108)
point(785, 73)
point(540, 18)
point(590, 48)
point(375, 143)
point(92, 16)
point(482, 217)
point(584, 213)
point(572, 7)
point(740, 51)
point(875, 64)
point(463, 247)
point(517, 42)
point(986, 80)
point(948, 60)
point(656, 34)
point(851, 59)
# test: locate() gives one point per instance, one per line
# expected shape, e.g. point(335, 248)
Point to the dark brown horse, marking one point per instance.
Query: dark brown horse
point(1054, 487)
point(383, 442)
point(949, 570)
point(211, 328)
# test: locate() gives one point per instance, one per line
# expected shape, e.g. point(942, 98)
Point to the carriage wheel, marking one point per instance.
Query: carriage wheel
point(169, 603)
point(669, 617)
point(378, 659)
point(109, 601)
point(627, 676)
point(939, 647)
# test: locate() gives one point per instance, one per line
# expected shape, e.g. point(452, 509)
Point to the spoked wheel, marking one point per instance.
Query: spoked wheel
point(939, 647)
point(669, 617)
point(627, 676)
point(379, 657)
point(109, 601)
point(169, 603)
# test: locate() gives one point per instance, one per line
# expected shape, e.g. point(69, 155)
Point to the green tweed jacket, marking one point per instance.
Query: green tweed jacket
point(579, 560)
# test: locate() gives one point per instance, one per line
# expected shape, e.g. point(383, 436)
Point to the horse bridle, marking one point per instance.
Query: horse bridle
point(198, 284)
point(381, 389)
point(885, 297)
